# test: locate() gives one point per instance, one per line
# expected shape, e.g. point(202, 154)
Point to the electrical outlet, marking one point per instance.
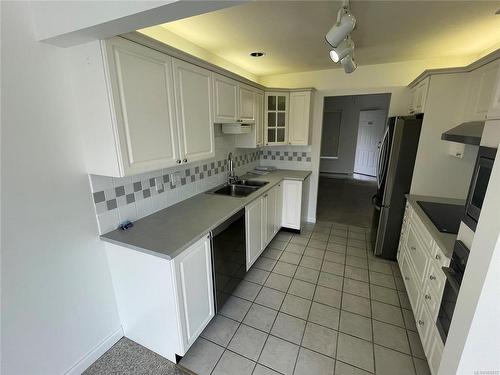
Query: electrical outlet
point(159, 184)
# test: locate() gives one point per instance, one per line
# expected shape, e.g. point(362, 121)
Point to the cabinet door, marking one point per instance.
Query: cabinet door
point(435, 352)
point(259, 119)
point(143, 97)
point(195, 294)
point(276, 118)
point(263, 222)
point(494, 110)
point(193, 95)
point(253, 231)
point(487, 85)
point(271, 214)
point(246, 104)
point(292, 196)
point(298, 123)
point(225, 100)
point(279, 207)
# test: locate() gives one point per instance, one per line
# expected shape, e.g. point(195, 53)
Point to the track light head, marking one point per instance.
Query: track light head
point(341, 29)
point(348, 64)
point(343, 49)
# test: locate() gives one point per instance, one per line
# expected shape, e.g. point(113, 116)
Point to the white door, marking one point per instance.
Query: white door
point(259, 118)
point(279, 207)
point(193, 276)
point(193, 96)
point(253, 231)
point(298, 123)
point(271, 214)
point(225, 100)
point(246, 105)
point(292, 196)
point(143, 96)
point(370, 131)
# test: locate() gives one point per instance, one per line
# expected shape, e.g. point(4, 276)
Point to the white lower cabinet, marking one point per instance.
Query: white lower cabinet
point(420, 260)
point(295, 198)
point(263, 222)
point(253, 230)
point(195, 297)
point(163, 304)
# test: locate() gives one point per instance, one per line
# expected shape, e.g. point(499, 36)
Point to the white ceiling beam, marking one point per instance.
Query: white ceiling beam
point(69, 23)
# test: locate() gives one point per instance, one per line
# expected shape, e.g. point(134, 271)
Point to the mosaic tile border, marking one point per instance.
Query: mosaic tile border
point(110, 199)
point(296, 156)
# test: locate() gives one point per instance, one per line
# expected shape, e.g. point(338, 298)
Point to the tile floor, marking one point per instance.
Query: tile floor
point(315, 303)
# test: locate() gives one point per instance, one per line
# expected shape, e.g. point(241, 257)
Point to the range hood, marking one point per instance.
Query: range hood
point(467, 132)
point(237, 128)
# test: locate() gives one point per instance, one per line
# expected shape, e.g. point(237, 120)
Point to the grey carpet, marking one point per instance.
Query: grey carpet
point(345, 200)
point(128, 357)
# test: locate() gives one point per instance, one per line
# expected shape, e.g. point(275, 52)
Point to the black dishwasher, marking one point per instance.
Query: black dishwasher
point(228, 257)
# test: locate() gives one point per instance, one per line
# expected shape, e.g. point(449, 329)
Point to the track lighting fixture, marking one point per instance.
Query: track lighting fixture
point(348, 64)
point(339, 38)
point(343, 49)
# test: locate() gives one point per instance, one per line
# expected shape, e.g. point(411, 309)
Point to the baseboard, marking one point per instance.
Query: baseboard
point(95, 353)
point(311, 219)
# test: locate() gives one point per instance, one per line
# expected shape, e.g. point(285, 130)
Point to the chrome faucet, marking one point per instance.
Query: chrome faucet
point(231, 176)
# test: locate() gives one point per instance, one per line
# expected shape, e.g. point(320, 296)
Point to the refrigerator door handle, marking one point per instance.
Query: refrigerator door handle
point(381, 158)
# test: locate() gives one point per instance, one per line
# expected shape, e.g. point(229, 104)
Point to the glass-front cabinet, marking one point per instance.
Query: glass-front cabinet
point(276, 118)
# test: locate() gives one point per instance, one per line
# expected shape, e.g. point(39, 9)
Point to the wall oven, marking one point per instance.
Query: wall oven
point(454, 274)
point(478, 186)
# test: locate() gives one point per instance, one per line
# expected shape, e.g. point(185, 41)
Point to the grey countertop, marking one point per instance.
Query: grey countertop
point(168, 232)
point(445, 241)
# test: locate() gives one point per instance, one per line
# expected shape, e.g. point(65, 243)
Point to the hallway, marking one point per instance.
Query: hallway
point(345, 200)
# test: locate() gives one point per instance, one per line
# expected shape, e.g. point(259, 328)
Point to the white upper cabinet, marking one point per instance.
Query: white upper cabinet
point(225, 100)
point(418, 97)
point(233, 101)
point(140, 109)
point(254, 138)
point(246, 104)
point(276, 118)
point(193, 94)
point(141, 85)
point(300, 113)
point(481, 90)
point(494, 109)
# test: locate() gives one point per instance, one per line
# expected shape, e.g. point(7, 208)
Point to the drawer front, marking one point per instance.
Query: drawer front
point(432, 300)
point(419, 257)
point(424, 327)
point(435, 278)
point(439, 257)
point(422, 232)
point(409, 278)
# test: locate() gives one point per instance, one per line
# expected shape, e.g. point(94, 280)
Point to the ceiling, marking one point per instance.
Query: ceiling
point(292, 32)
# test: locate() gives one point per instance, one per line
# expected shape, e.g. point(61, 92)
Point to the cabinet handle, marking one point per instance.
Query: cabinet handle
point(185, 160)
point(407, 278)
point(427, 296)
point(413, 248)
point(420, 322)
point(432, 277)
point(438, 257)
point(179, 161)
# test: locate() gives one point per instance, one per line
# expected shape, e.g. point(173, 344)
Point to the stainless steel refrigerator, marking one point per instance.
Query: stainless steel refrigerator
point(396, 159)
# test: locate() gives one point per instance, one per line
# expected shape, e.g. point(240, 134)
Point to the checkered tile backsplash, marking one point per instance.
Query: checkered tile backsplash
point(119, 199)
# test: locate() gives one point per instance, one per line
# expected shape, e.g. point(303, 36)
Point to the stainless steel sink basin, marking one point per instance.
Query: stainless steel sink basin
point(235, 190)
point(251, 183)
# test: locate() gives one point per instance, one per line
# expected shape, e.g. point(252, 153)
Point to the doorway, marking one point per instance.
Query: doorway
point(371, 127)
point(352, 128)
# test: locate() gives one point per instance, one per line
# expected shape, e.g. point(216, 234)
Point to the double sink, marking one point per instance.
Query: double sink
point(239, 188)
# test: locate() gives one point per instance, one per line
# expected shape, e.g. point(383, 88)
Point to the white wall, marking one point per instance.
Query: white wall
point(57, 298)
point(371, 79)
point(436, 173)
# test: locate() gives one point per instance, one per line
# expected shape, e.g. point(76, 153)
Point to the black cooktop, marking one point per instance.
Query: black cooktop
point(446, 217)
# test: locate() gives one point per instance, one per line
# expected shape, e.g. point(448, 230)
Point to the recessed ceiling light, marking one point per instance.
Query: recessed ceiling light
point(257, 54)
